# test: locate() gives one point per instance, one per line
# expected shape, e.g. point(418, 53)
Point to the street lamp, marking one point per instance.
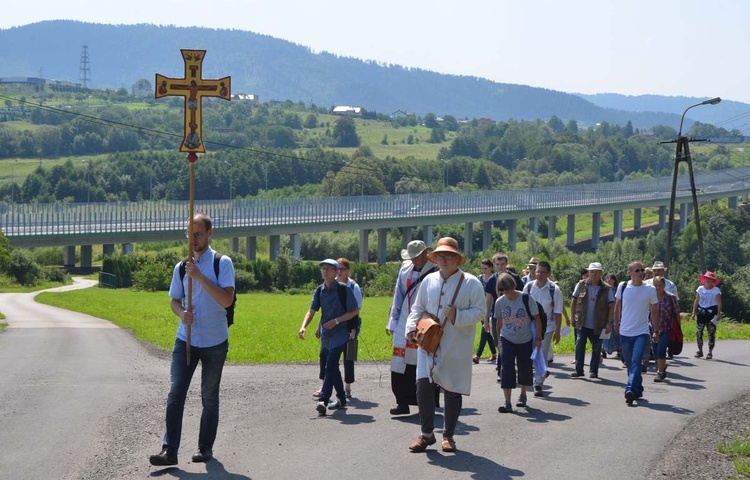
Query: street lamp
point(230, 179)
point(682, 153)
point(12, 179)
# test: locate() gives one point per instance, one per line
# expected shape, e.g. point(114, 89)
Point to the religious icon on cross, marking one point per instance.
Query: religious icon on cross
point(193, 87)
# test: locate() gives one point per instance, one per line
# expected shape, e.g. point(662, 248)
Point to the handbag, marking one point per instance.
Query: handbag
point(429, 329)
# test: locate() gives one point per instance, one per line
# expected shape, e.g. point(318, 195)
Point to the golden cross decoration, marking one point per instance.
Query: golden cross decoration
point(193, 87)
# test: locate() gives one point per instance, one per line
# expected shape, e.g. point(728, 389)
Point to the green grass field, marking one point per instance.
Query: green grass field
point(266, 325)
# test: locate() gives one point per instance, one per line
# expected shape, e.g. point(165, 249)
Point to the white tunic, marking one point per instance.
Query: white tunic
point(403, 354)
point(450, 367)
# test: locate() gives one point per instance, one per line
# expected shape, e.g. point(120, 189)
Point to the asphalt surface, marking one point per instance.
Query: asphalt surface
point(81, 399)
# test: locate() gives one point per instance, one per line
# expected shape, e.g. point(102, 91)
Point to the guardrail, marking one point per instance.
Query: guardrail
point(79, 221)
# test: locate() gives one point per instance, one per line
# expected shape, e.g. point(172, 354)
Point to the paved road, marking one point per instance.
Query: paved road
point(81, 399)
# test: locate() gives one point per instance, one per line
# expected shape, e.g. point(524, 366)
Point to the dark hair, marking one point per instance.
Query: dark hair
point(205, 219)
point(505, 282)
point(545, 265)
point(488, 263)
point(584, 271)
point(611, 275)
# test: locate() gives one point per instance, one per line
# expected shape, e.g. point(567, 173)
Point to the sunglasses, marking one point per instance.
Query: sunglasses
point(637, 270)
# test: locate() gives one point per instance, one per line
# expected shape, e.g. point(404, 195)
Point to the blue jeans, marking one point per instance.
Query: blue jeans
point(212, 363)
point(332, 379)
point(661, 347)
point(585, 334)
point(632, 351)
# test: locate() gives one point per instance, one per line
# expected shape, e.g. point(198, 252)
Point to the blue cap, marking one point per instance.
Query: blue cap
point(329, 261)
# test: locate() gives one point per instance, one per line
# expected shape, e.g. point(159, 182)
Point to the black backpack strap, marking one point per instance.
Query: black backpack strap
point(342, 294)
point(217, 258)
point(525, 298)
point(421, 277)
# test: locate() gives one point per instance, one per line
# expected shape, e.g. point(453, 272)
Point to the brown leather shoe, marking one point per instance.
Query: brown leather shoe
point(421, 443)
point(448, 444)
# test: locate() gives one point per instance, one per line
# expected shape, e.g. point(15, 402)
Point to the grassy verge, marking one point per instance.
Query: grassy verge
point(266, 325)
point(739, 450)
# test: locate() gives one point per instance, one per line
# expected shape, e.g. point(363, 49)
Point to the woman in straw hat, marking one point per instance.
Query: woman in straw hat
point(457, 300)
point(707, 311)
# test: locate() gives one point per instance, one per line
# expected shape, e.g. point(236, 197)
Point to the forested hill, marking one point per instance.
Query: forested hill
point(277, 69)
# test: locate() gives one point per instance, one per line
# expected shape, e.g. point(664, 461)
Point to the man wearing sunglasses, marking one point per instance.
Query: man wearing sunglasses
point(635, 300)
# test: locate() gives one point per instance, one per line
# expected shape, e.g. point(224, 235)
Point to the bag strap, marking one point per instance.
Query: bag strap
point(455, 295)
point(421, 277)
point(525, 298)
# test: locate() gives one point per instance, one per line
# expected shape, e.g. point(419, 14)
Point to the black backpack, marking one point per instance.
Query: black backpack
point(354, 323)
point(230, 308)
point(542, 314)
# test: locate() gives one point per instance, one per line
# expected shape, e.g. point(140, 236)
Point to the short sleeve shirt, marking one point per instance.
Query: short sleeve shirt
point(516, 322)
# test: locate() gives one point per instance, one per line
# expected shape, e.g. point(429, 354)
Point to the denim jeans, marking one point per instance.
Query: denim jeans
point(661, 347)
point(585, 334)
point(332, 378)
point(486, 337)
point(632, 351)
point(212, 363)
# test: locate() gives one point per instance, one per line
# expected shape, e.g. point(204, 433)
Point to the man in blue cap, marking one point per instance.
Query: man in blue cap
point(338, 307)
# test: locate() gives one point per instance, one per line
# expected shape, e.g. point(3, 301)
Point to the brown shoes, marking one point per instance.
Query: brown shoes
point(448, 444)
point(421, 443)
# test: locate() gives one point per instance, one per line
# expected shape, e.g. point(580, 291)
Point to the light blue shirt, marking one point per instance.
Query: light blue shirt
point(209, 316)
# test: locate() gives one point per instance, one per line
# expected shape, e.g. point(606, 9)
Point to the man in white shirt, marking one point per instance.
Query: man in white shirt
point(549, 296)
point(634, 301)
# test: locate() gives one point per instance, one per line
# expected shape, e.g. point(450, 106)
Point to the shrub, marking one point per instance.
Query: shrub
point(152, 277)
point(24, 269)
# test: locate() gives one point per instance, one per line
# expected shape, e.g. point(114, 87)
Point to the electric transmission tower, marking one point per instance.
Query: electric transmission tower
point(84, 74)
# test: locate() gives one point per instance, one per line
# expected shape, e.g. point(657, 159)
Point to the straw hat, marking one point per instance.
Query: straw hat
point(533, 262)
point(702, 278)
point(595, 266)
point(658, 266)
point(447, 244)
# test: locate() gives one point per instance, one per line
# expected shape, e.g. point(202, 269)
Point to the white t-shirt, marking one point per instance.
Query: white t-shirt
point(707, 298)
point(542, 295)
point(636, 302)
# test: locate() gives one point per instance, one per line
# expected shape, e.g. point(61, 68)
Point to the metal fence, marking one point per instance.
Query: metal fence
point(83, 219)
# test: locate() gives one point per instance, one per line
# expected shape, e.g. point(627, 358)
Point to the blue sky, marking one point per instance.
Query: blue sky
point(666, 47)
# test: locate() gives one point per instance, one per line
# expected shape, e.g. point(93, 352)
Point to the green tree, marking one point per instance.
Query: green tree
point(345, 133)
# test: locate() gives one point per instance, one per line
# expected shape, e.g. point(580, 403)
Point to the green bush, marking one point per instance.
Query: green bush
point(152, 277)
point(24, 269)
point(56, 274)
point(244, 281)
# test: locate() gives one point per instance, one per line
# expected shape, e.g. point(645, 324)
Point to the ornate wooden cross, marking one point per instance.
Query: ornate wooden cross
point(193, 87)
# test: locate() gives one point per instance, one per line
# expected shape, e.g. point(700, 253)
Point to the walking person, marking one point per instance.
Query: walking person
point(517, 340)
point(669, 313)
point(456, 299)
point(212, 292)
point(354, 325)
point(500, 261)
point(612, 345)
point(591, 307)
point(707, 312)
point(338, 307)
point(485, 335)
point(634, 301)
point(550, 297)
point(413, 271)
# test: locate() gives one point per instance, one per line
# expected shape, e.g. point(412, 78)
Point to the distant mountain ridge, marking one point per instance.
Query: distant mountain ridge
point(277, 69)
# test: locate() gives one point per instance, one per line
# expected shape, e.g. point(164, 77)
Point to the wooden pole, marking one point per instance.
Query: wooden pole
point(191, 157)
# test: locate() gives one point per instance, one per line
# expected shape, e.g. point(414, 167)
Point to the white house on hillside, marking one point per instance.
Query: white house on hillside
point(347, 110)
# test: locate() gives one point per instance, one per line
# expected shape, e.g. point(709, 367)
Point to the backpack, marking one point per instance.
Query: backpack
point(355, 322)
point(542, 314)
point(675, 334)
point(527, 289)
point(230, 308)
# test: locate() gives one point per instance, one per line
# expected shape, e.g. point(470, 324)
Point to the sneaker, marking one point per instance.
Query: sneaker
point(421, 443)
point(321, 408)
point(521, 402)
point(164, 458)
point(337, 404)
point(629, 397)
point(492, 359)
point(475, 359)
point(505, 408)
point(400, 410)
point(348, 393)
point(659, 377)
point(709, 356)
point(546, 374)
point(448, 444)
point(576, 374)
point(538, 392)
point(593, 375)
point(699, 354)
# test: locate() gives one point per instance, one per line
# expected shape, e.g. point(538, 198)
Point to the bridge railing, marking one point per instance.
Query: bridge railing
point(160, 216)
